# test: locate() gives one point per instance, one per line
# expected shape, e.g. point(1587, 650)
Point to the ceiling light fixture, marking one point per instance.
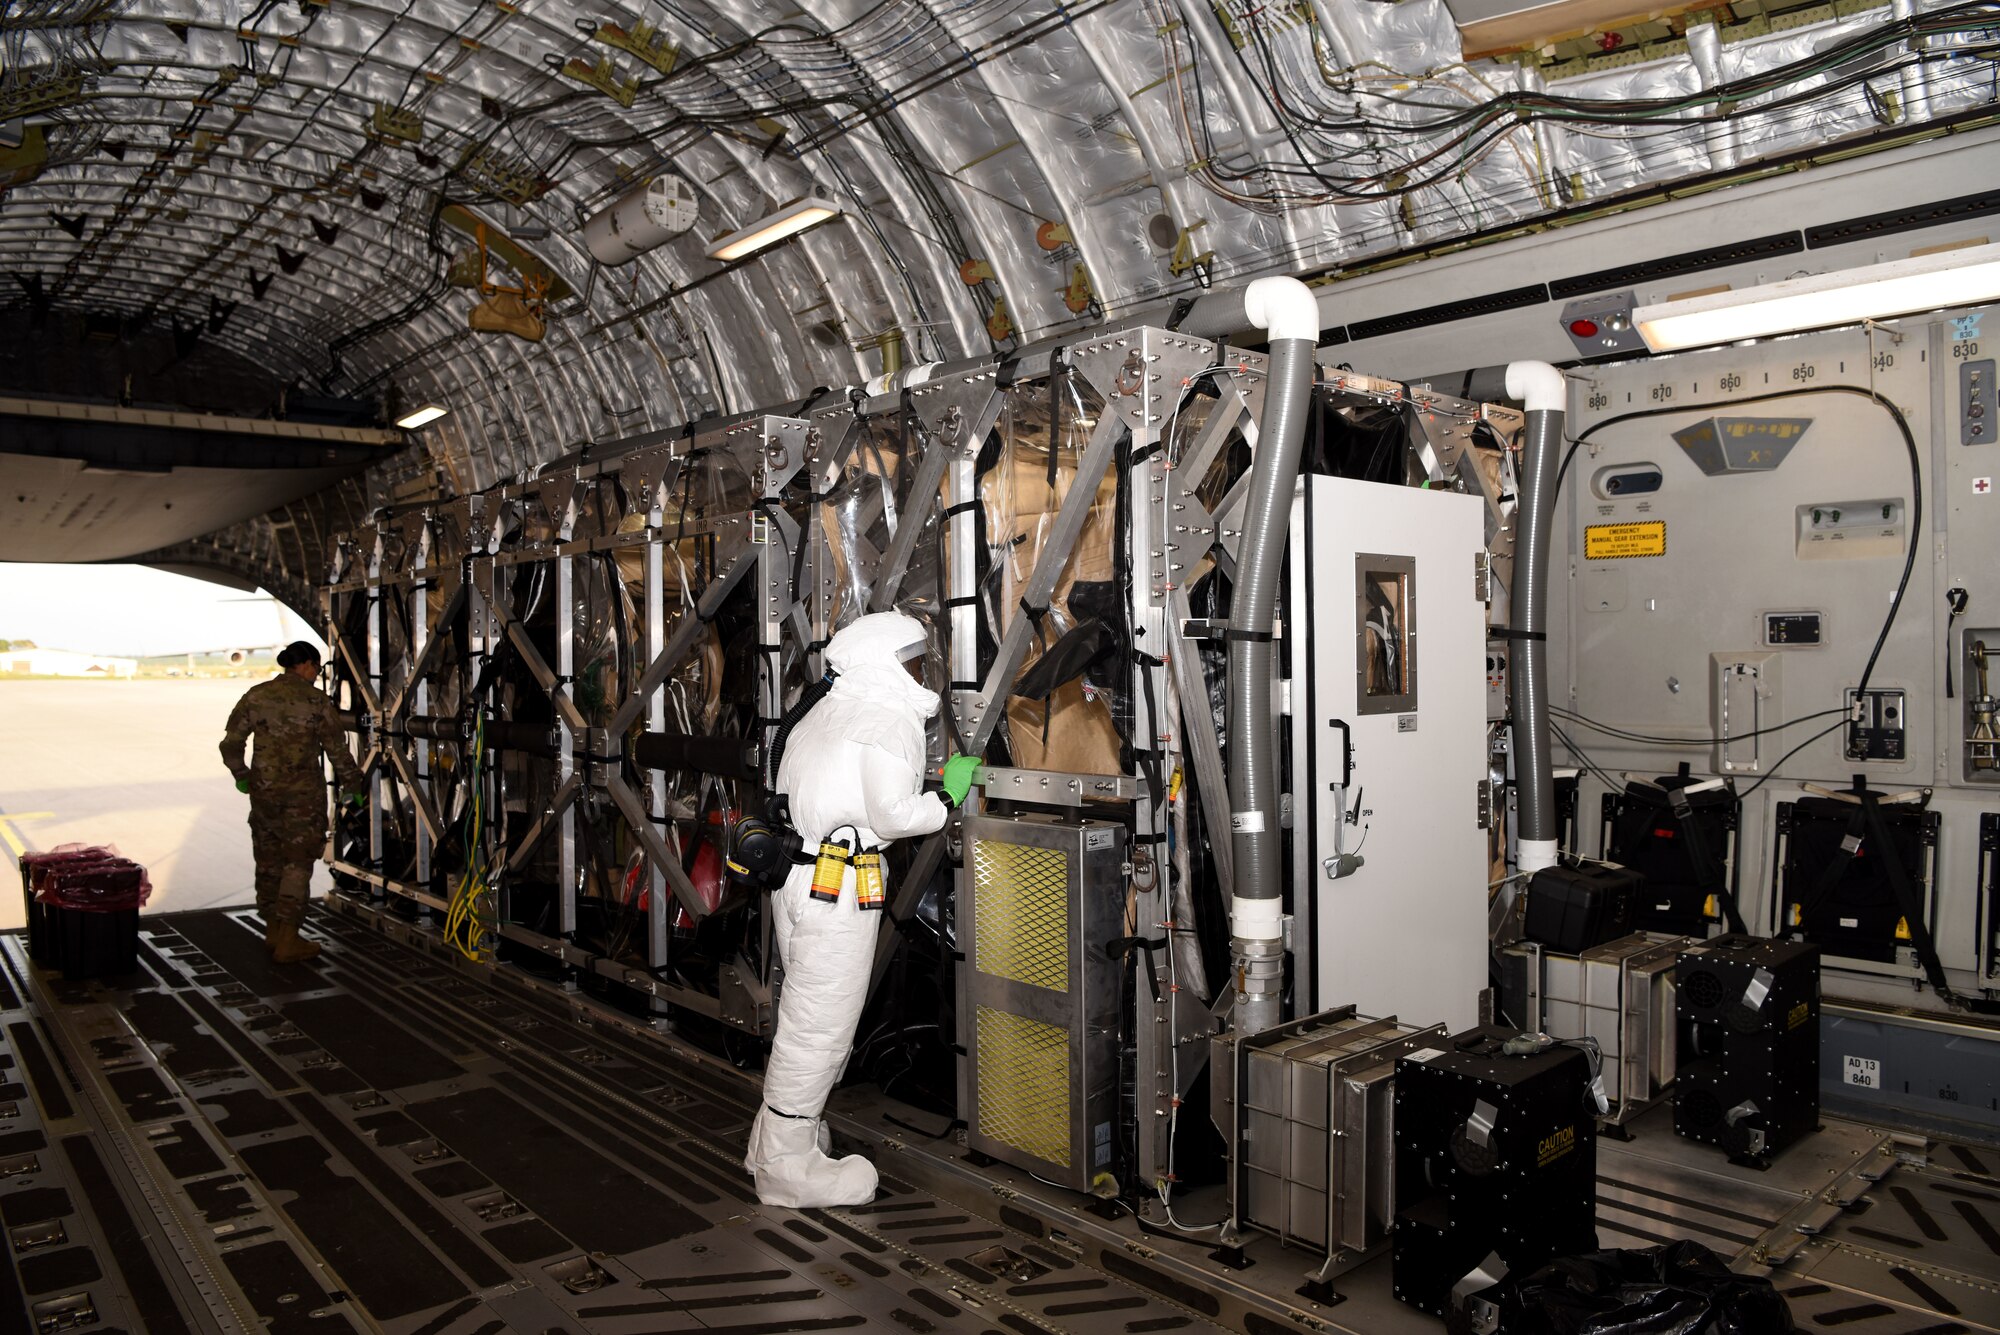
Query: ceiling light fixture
point(1967, 276)
point(423, 416)
point(790, 220)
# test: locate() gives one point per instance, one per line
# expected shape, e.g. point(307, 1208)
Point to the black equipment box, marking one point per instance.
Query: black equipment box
point(1571, 909)
point(1495, 1154)
point(1749, 1045)
point(1683, 845)
point(1842, 900)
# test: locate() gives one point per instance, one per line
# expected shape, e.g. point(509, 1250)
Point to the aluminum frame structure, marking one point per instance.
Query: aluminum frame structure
point(458, 567)
point(458, 549)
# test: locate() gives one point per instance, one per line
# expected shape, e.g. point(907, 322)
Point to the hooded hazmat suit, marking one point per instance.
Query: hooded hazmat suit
point(852, 769)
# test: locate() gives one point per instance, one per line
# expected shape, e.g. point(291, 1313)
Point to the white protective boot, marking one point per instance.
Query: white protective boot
point(786, 1158)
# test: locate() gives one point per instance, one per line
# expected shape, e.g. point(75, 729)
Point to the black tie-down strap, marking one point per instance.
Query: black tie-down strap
point(1868, 824)
point(1836, 866)
point(1910, 904)
point(1708, 869)
point(1128, 948)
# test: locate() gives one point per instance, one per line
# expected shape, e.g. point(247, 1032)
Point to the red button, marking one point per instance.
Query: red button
point(1583, 328)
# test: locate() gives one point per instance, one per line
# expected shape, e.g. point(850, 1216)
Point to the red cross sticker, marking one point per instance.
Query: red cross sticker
point(1981, 485)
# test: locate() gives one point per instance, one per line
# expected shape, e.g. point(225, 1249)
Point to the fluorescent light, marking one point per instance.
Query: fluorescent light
point(1968, 276)
point(423, 416)
point(790, 220)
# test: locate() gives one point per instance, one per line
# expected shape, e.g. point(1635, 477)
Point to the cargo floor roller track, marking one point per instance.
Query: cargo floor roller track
point(390, 1141)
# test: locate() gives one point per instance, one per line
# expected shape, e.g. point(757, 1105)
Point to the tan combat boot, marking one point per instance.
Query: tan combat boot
point(282, 939)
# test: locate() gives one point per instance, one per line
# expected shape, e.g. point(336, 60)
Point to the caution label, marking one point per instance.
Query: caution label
point(1612, 542)
point(1554, 1147)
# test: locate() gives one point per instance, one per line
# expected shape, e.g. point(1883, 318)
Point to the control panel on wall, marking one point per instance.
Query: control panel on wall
point(1745, 517)
point(1794, 630)
point(1970, 514)
point(1975, 402)
point(1878, 730)
point(1845, 530)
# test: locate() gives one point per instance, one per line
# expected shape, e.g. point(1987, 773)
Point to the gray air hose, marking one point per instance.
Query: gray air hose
point(1541, 390)
point(1287, 310)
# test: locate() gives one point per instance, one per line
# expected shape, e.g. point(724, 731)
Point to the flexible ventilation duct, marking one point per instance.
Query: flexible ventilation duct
point(1540, 388)
point(1287, 311)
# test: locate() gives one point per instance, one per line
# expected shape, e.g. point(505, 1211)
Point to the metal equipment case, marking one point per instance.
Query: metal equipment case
point(1038, 998)
point(1495, 1155)
point(1749, 1019)
point(1312, 1139)
point(1620, 993)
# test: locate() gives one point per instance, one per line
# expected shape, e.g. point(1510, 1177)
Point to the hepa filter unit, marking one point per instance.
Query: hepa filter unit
point(1038, 997)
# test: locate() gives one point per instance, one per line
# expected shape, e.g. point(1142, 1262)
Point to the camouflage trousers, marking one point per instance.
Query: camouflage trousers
point(285, 844)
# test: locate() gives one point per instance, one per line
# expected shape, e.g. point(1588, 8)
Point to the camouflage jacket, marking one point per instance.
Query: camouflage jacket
point(293, 722)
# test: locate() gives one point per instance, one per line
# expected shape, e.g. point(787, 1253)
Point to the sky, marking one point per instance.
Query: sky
point(134, 612)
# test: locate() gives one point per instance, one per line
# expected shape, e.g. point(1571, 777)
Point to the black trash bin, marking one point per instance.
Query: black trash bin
point(83, 910)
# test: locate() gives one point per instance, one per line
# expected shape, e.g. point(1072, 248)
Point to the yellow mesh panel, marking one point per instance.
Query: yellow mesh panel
point(1021, 913)
point(1024, 1084)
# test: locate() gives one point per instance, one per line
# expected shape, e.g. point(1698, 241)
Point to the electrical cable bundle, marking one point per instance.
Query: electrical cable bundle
point(1360, 144)
point(470, 918)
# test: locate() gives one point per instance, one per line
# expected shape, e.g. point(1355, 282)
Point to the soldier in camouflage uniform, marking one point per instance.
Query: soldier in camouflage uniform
point(293, 722)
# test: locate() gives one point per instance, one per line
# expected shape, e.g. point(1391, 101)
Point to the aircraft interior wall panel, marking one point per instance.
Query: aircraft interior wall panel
point(1677, 571)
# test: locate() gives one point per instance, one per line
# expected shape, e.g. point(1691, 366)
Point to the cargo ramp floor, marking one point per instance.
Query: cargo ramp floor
point(394, 1140)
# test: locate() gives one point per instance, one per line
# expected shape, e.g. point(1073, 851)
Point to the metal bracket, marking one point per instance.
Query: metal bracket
point(645, 472)
point(1056, 787)
point(558, 495)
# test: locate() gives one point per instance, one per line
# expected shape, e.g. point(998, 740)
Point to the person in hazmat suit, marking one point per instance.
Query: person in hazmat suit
point(853, 774)
point(293, 721)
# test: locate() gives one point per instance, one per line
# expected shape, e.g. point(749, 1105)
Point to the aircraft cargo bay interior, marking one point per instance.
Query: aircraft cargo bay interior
point(1005, 667)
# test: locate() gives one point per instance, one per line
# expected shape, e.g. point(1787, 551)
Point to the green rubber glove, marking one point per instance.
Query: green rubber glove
point(243, 785)
point(357, 800)
point(958, 773)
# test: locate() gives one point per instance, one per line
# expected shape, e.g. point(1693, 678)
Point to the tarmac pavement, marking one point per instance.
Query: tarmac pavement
point(130, 763)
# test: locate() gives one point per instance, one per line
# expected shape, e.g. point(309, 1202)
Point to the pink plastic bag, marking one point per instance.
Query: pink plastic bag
point(93, 878)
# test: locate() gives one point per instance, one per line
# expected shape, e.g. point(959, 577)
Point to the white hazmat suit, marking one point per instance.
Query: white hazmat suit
point(853, 769)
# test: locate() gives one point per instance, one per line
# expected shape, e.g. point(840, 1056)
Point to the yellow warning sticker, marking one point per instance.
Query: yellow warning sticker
point(1610, 542)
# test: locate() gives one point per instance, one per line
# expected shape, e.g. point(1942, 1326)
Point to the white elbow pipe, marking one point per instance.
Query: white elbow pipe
point(1282, 308)
point(1539, 386)
point(903, 379)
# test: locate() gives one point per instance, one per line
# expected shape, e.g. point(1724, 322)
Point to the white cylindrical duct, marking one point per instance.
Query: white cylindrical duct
point(891, 381)
point(641, 219)
point(1289, 314)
